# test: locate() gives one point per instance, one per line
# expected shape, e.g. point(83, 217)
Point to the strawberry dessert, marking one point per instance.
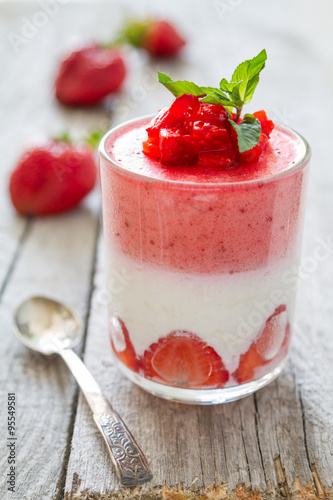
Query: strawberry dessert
point(203, 211)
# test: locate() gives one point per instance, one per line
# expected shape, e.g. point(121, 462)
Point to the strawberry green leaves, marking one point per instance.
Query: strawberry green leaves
point(231, 95)
point(248, 132)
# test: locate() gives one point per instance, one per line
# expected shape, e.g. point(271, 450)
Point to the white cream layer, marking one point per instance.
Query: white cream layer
point(226, 311)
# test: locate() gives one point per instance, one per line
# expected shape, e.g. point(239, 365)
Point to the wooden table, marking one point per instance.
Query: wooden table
point(277, 443)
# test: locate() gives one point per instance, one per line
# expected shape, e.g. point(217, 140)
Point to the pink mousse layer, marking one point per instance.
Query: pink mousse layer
point(195, 223)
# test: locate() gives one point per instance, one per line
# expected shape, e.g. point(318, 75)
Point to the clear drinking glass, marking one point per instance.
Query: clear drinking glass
point(201, 276)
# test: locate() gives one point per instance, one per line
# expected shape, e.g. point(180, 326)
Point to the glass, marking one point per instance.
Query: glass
point(201, 277)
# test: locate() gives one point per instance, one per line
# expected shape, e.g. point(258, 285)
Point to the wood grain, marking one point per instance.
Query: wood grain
point(276, 444)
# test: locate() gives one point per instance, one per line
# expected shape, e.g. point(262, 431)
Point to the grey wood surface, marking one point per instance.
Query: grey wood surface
point(275, 444)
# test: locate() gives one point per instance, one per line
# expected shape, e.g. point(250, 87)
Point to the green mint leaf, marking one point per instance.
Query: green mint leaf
point(209, 90)
point(179, 87)
point(226, 86)
point(248, 132)
point(216, 97)
point(247, 73)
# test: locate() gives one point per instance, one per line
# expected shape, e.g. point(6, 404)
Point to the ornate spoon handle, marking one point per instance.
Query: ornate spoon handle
point(130, 463)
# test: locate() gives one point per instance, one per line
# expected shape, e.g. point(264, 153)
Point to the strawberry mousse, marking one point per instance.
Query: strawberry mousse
point(202, 240)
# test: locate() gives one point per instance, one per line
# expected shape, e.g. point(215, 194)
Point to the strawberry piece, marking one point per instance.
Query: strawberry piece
point(52, 178)
point(179, 115)
point(248, 365)
point(212, 113)
point(182, 112)
point(176, 148)
point(88, 75)
point(271, 340)
point(122, 345)
point(184, 360)
point(209, 137)
point(159, 121)
point(266, 125)
point(151, 148)
point(162, 40)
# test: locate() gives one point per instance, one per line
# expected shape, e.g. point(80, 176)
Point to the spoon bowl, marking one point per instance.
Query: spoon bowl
point(45, 325)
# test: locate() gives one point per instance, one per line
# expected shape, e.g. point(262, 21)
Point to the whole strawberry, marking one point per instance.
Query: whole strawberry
point(89, 74)
point(159, 37)
point(52, 178)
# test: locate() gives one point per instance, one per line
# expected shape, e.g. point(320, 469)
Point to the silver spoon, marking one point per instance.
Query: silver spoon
point(48, 327)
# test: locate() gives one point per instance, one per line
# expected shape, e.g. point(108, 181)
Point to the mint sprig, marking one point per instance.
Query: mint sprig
point(231, 95)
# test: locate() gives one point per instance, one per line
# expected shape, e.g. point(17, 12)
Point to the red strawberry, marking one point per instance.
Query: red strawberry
point(89, 74)
point(162, 39)
point(157, 36)
point(208, 137)
point(52, 178)
point(176, 148)
point(121, 344)
point(266, 125)
point(273, 337)
point(184, 360)
point(212, 113)
point(248, 365)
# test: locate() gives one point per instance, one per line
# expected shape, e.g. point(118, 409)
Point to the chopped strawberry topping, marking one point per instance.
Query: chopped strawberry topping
point(266, 125)
point(209, 137)
point(271, 340)
point(184, 360)
point(191, 132)
point(212, 113)
point(176, 148)
point(121, 344)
